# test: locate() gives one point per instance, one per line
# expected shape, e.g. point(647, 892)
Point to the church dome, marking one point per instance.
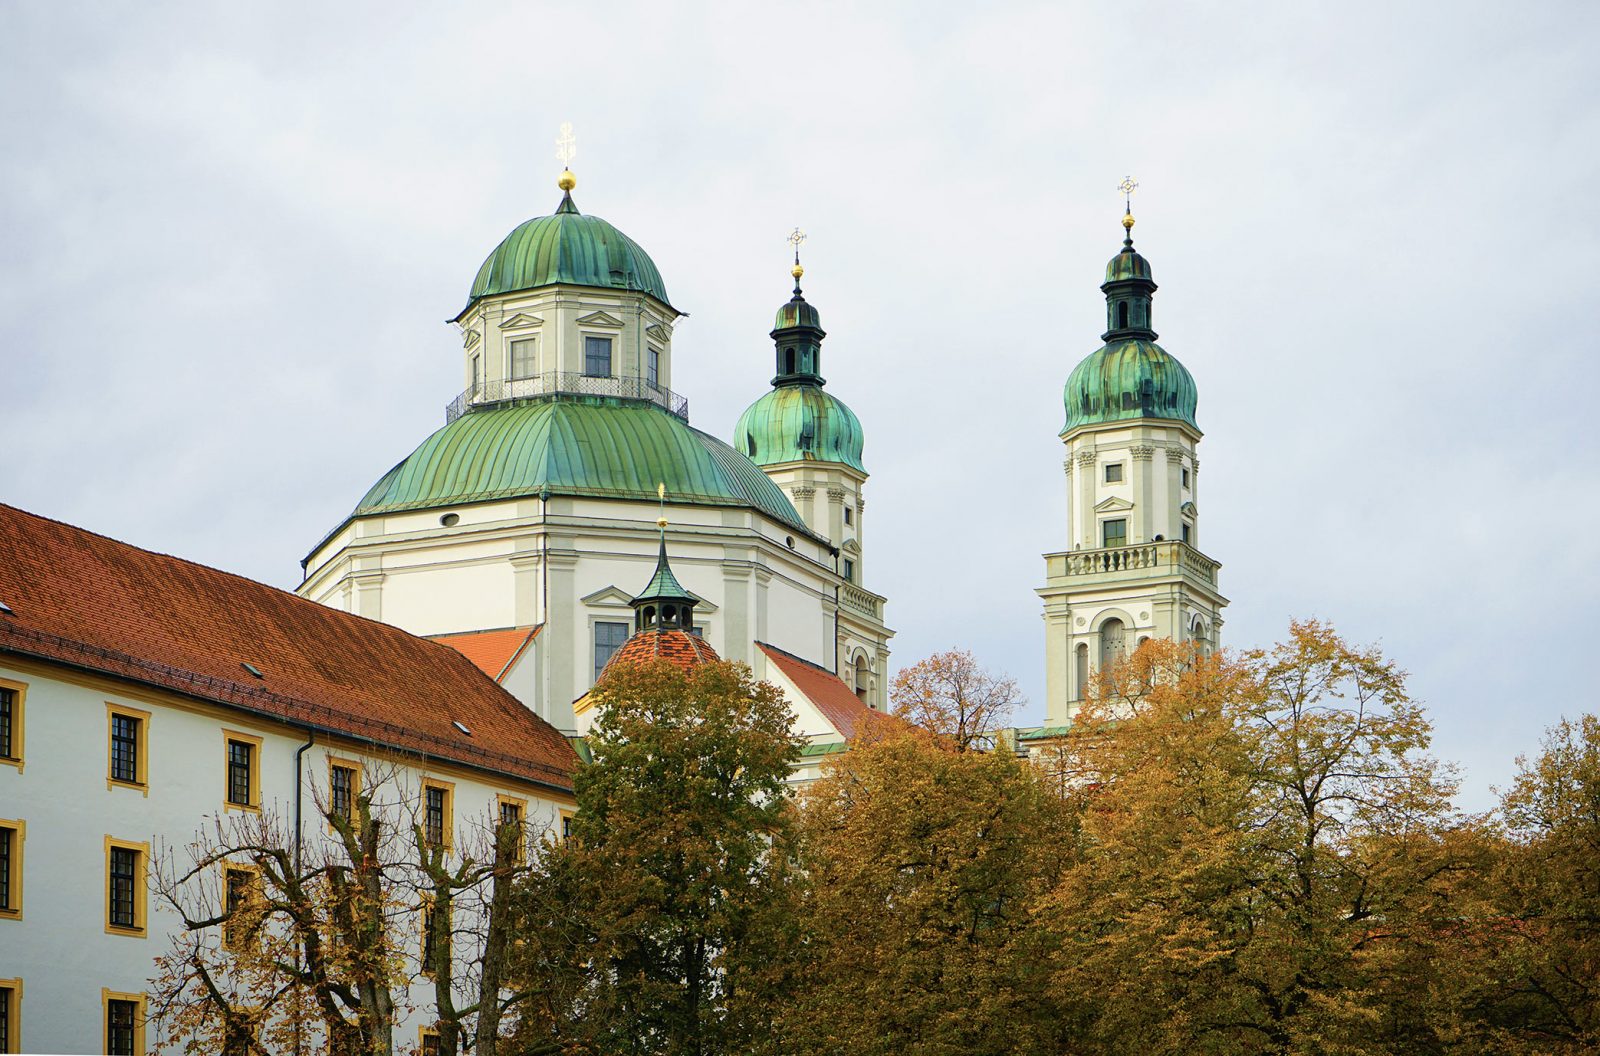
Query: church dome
point(1126, 265)
point(794, 423)
point(1129, 378)
point(567, 247)
point(587, 446)
point(680, 648)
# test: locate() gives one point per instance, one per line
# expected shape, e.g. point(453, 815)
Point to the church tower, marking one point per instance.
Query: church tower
point(810, 444)
point(1134, 569)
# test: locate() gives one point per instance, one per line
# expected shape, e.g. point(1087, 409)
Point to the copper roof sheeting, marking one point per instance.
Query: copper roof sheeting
point(93, 603)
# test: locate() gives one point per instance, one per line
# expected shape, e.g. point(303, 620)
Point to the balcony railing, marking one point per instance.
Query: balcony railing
point(1168, 553)
point(863, 601)
point(489, 393)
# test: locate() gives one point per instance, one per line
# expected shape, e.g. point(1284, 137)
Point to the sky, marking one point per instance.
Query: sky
point(231, 234)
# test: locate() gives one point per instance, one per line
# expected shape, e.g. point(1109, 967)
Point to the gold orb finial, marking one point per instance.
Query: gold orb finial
point(1127, 221)
point(567, 180)
point(566, 150)
point(797, 271)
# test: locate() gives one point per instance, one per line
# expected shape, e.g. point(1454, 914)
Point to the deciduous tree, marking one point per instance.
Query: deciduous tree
point(952, 696)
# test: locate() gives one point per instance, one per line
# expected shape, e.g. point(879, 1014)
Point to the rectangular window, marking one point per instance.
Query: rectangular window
point(436, 810)
point(848, 515)
point(608, 638)
point(129, 730)
point(240, 887)
point(1114, 533)
point(849, 570)
point(1187, 533)
point(511, 811)
point(477, 375)
point(566, 826)
point(342, 791)
point(11, 870)
point(523, 361)
point(124, 1023)
point(244, 770)
point(1114, 473)
point(653, 369)
point(11, 724)
point(428, 1041)
point(430, 935)
point(10, 1015)
point(597, 357)
point(1186, 476)
point(125, 887)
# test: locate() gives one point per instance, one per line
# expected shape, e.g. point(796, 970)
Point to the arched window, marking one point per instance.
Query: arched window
point(1111, 635)
point(861, 676)
point(1122, 314)
point(788, 361)
point(1081, 685)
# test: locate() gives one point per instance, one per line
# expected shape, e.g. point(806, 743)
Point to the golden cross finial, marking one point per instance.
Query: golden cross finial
point(796, 237)
point(1127, 187)
point(566, 146)
point(661, 497)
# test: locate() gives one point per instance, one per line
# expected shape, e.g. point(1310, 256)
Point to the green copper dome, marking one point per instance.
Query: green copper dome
point(586, 446)
point(567, 247)
point(1129, 379)
point(1127, 265)
point(793, 423)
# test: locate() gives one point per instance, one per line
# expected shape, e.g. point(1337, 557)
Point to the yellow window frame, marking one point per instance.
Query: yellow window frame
point(108, 996)
point(12, 996)
point(141, 765)
point(141, 891)
point(19, 830)
point(255, 743)
point(338, 762)
point(253, 889)
point(449, 825)
point(502, 800)
point(19, 725)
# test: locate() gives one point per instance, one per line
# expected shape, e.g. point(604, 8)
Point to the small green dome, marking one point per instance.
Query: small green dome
point(797, 312)
point(794, 423)
point(567, 247)
point(1127, 265)
point(1129, 379)
point(588, 446)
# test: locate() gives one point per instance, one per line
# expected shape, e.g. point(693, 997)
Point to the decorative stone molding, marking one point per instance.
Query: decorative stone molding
point(600, 319)
point(1174, 455)
point(1143, 452)
point(521, 321)
point(1066, 465)
point(659, 331)
point(1194, 466)
point(470, 338)
point(804, 491)
point(836, 494)
point(1087, 456)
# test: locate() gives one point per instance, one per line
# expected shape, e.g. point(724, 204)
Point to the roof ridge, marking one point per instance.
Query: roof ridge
point(792, 656)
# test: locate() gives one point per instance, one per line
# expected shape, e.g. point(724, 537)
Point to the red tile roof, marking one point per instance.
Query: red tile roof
point(836, 700)
point(93, 603)
point(680, 647)
point(492, 652)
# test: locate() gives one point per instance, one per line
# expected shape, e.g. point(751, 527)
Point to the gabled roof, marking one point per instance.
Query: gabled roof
point(827, 691)
point(492, 652)
point(93, 603)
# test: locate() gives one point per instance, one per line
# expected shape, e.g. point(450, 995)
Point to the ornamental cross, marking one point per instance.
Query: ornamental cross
point(1127, 187)
point(566, 146)
point(796, 237)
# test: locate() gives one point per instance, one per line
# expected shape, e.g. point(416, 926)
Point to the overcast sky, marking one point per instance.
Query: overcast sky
point(230, 235)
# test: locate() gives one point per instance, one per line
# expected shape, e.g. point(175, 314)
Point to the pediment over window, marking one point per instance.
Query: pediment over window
point(608, 597)
point(851, 547)
point(521, 320)
point(470, 338)
point(600, 319)
point(659, 332)
point(1113, 505)
point(1189, 509)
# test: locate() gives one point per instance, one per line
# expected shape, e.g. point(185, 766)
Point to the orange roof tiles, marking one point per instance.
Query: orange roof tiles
point(90, 602)
point(492, 652)
point(680, 647)
point(836, 700)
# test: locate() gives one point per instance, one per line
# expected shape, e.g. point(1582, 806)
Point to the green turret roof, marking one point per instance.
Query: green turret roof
point(793, 423)
point(1129, 379)
point(574, 445)
point(567, 247)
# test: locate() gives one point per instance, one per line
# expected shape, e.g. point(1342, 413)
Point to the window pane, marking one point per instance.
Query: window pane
point(1116, 533)
point(597, 356)
point(608, 638)
point(849, 570)
point(653, 370)
point(239, 753)
point(433, 816)
point(7, 703)
point(124, 873)
point(5, 1019)
point(6, 838)
point(522, 360)
point(119, 1027)
point(1114, 473)
point(124, 748)
point(342, 783)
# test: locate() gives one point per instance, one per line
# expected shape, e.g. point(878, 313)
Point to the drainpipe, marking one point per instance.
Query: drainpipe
point(299, 789)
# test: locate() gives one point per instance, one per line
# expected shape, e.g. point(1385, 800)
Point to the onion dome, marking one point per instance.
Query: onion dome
point(566, 247)
point(663, 618)
point(797, 421)
point(680, 648)
point(575, 445)
point(1130, 376)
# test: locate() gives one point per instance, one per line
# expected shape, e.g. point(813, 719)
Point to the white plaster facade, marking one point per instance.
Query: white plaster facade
point(59, 944)
point(1133, 484)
